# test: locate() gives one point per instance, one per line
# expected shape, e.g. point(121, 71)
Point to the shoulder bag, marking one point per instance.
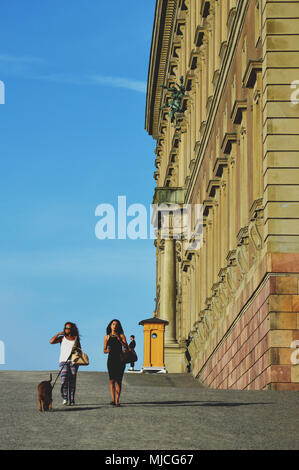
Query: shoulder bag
point(128, 356)
point(79, 358)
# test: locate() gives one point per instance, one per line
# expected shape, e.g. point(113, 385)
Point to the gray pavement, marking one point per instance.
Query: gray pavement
point(158, 412)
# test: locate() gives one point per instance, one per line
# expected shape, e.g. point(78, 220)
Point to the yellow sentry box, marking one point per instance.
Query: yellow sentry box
point(154, 330)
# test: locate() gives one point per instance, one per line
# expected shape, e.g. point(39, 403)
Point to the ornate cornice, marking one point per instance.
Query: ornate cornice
point(164, 22)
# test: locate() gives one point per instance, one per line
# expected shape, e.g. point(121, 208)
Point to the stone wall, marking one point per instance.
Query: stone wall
point(257, 351)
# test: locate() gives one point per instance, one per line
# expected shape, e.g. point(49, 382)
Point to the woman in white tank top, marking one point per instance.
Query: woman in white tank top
point(68, 338)
point(66, 349)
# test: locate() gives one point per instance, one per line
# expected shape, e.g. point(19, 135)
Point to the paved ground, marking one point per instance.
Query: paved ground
point(158, 412)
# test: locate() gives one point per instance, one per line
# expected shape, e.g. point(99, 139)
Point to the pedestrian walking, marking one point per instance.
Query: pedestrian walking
point(114, 343)
point(132, 346)
point(69, 339)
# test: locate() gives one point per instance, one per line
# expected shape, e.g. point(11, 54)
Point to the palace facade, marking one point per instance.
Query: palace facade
point(231, 146)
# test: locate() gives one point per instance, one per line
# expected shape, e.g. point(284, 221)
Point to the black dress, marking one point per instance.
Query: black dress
point(115, 367)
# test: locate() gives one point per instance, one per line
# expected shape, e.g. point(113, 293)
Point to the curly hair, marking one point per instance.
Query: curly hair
point(74, 330)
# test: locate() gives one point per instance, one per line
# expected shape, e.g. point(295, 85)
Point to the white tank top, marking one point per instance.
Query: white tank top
point(66, 349)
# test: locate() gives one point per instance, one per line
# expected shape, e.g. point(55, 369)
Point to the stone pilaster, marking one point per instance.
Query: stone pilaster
point(168, 291)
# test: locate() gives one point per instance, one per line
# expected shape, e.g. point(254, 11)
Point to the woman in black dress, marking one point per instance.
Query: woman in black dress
point(114, 342)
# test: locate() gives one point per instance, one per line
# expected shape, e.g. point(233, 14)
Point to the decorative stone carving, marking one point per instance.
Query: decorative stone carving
point(208, 321)
point(197, 341)
point(216, 309)
point(241, 260)
point(191, 347)
point(257, 96)
point(178, 248)
point(161, 244)
point(255, 235)
point(231, 272)
point(243, 131)
point(242, 251)
point(201, 331)
point(179, 122)
point(255, 227)
point(223, 288)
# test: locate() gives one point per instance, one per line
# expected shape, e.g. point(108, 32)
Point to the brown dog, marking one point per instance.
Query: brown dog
point(45, 395)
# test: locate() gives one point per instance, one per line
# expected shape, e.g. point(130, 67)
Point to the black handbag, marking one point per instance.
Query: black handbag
point(128, 356)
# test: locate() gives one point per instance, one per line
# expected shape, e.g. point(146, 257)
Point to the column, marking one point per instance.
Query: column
point(257, 141)
point(243, 172)
point(168, 291)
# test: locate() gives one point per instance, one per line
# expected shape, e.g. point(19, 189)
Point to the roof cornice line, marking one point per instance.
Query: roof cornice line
point(159, 57)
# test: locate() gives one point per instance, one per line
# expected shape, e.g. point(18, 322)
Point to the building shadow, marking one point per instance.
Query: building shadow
point(156, 404)
point(69, 409)
point(193, 403)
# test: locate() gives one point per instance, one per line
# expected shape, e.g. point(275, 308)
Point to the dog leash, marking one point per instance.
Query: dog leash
point(62, 368)
point(76, 340)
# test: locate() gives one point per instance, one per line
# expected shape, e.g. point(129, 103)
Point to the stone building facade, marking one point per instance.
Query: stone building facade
point(233, 147)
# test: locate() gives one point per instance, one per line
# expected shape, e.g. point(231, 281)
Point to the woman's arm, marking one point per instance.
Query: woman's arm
point(57, 338)
point(124, 341)
point(106, 350)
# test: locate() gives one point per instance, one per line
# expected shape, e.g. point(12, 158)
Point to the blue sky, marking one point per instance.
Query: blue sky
point(72, 137)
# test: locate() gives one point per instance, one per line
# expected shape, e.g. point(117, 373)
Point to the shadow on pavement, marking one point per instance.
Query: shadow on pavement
point(156, 403)
point(192, 403)
point(69, 409)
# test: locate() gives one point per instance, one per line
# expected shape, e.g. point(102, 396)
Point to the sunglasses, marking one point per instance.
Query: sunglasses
point(67, 328)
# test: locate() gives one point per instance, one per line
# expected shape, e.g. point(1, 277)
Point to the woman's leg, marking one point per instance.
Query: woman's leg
point(112, 389)
point(118, 384)
point(73, 377)
point(64, 381)
point(118, 391)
